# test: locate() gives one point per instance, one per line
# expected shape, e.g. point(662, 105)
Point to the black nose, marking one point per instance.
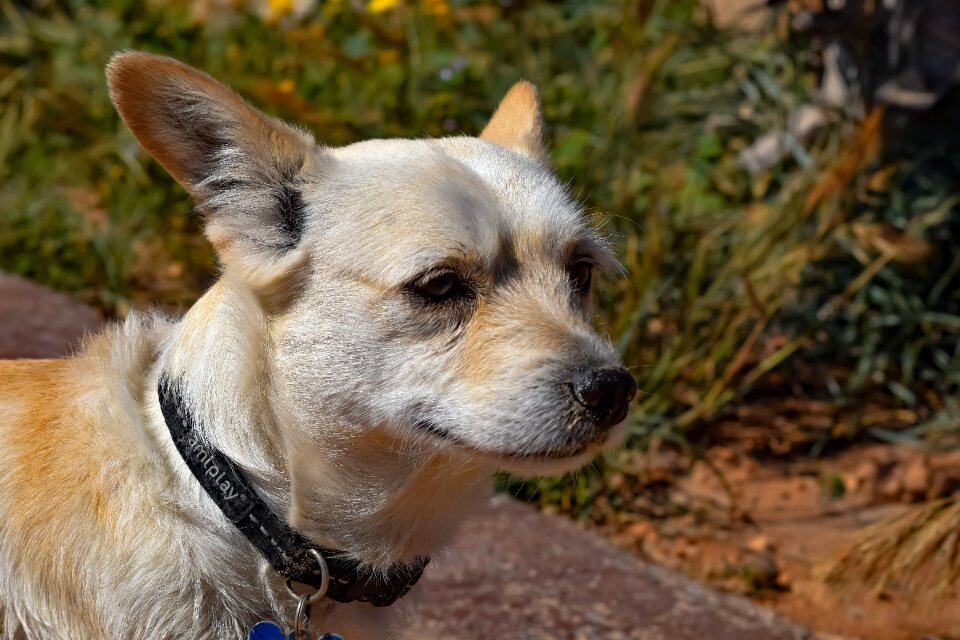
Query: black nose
point(606, 393)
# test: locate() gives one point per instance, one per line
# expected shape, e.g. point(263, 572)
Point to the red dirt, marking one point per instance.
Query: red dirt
point(785, 518)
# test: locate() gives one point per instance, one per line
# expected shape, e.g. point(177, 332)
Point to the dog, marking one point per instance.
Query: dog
point(395, 321)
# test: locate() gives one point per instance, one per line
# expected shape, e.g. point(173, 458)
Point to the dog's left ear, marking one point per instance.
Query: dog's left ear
point(244, 168)
point(517, 123)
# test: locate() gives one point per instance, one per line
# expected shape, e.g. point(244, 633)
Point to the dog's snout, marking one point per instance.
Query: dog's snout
point(605, 393)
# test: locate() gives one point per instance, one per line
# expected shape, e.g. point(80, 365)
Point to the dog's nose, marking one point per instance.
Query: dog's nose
point(606, 393)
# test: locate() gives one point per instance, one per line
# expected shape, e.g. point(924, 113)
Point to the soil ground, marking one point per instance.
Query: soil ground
point(761, 527)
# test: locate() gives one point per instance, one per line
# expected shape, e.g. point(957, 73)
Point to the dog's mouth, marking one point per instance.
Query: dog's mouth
point(549, 454)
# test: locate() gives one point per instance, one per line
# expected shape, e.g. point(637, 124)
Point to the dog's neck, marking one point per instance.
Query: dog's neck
point(361, 489)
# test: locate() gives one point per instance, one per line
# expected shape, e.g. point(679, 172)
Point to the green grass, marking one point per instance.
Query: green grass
point(834, 272)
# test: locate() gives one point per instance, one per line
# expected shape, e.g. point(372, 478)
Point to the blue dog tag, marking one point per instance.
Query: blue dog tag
point(267, 631)
point(270, 631)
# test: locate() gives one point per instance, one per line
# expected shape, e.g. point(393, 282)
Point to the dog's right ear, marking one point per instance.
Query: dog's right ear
point(244, 168)
point(517, 123)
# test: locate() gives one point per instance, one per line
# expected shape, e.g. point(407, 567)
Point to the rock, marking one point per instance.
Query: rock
point(36, 322)
point(760, 543)
point(864, 476)
point(916, 478)
point(640, 531)
point(760, 570)
point(890, 488)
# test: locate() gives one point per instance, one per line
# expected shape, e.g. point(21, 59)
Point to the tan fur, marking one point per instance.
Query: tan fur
point(157, 97)
point(140, 81)
point(46, 457)
point(366, 412)
point(516, 124)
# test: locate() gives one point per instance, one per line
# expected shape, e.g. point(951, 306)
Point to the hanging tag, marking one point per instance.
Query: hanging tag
point(267, 631)
point(270, 631)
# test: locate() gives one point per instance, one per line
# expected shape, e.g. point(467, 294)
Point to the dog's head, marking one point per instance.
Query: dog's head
point(437, 288)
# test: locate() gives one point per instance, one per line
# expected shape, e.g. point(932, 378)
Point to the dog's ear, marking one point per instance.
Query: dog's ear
point(244, 168)
point(517, 123)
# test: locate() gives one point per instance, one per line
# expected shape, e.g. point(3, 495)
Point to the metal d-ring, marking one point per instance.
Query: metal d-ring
point(317, 595)
point(301, 620)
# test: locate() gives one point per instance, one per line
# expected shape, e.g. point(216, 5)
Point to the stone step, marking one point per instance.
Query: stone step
point(36, 322)
point(520, 574)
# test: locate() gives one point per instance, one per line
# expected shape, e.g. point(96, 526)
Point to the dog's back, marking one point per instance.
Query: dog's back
point(76, 473)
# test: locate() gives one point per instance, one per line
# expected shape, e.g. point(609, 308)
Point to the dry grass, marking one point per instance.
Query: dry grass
point(918, 551)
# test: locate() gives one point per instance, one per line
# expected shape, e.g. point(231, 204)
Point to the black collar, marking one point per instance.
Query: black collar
point(288, 551)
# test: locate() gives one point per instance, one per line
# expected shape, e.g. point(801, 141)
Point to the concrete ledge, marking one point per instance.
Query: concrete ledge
point(36, 322)
point(517, 573)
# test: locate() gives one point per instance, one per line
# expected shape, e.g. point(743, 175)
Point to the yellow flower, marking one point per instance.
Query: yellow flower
point(435, 7)
point(381, 6)
point(280, 7)
point(273, 11)
point(286, 86)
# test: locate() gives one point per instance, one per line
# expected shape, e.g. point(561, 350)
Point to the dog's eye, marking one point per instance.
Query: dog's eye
point(581, 272)
point(445, 285)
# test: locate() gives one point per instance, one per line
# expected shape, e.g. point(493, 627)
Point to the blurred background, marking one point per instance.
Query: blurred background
point(780, 180)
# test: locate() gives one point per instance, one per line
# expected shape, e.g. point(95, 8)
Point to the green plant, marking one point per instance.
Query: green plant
point(834, 271)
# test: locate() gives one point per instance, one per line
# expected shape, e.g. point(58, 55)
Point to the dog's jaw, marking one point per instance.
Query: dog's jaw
point(382, 499)
point(552, 462)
